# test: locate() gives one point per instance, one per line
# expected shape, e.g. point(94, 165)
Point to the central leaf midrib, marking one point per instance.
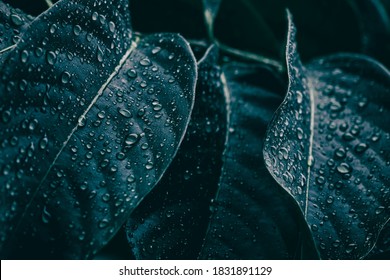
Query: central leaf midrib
point(311, 141)
point(134, 44)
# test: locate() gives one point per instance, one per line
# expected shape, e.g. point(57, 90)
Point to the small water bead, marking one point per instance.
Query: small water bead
point(131, 139)
point(100, 55)
point(111, 26)
point(24, 56)
point(299, 133)
point(145, 62)
point(106, 197)
point(103, 223)
point(104, 163)
point(125, 113)
point(6, 116)
point(65, 77)
point(149, 165)
point(101, 114)
point(46, 216)
point(344, 168)
point(156, 50)
point(299, 97)
point(340, 153)
point(77, 30)
point(132, 73)
point(17, 20)
point(51, 58)
point(361, 148)
point(33, 124)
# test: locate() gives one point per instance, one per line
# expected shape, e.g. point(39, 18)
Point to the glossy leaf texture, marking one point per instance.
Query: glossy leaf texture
point(12, 23)
point(252, 218)
point(90, 119)
point(328, 146)
point(165, 223)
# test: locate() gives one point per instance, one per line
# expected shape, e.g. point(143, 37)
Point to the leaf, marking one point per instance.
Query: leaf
point(12, 23)
point(91, 119)
point(251, 219)
point(328, 146)
point(163, 226)
point(210, 8)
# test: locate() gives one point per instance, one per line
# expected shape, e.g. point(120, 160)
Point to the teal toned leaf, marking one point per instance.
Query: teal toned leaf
point(252, 218)
point(163, 226)
point(12, 23)
point(328, 146)
point(90, 120)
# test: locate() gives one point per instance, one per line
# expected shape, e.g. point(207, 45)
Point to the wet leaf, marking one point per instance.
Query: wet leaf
point(12, 23)
point(251, 218)
point(91, 119)
point(328, 146)
point(163, 226)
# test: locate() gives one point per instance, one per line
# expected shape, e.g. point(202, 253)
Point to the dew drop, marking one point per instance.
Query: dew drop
point(24, 56)
point(111, 26)
point(77, 30)
point(299, 97)
point(149, 165)
point(103, 223)
point(132, 73)
point(145, 62)
point(156, 50)
point(65, 77)
point(361, 148)
point(17, 20)
point(344, 168)
point(125, 113)
point(6, 116)
point(46, 216)
point(131, 139)
point(43, 142)
point(51, 58)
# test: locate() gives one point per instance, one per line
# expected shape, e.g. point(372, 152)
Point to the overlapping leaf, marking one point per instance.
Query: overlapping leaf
point(90, 120)
point(251, 218)
point(163, 226)
point(328, 146)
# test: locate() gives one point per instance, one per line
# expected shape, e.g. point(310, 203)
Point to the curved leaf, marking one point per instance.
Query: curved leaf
point(252, 219)
point(91, 120)
point(328, 146)
point(163, 226)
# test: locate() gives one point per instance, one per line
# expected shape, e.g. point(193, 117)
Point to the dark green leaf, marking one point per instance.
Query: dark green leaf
point(329, 146)
point(90, 120)
point(12, 23)
point(252, 218)
point(163, 226)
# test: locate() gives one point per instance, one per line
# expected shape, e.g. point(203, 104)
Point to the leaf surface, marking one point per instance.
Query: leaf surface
point(328, 146)
point(163, 226)
point(251, 218)
point(91, 120)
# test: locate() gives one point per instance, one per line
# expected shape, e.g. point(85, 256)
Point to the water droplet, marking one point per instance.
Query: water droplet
point(53, 28)
point(17, 20)
point(101, 115)
point(299, 97)
point(299, 133)
point(106, 197)
point(156, 50)
point(51, 58)
point(132, 73)
point(24, 56)
point(46, 216)
point(43, 142)
point(379, 210)
point(95, 16)
point(111, 26)
point(149, 165)
point(77, 30)
point(6, 116)
point(100, 55)
point(82, 121)
point(125, 113)
point(145, 62)
point(361, 148)
point(103, 223)
point(131, 139)
point(340, 153)
point(344, 168)
point(33, 124)
point(65, 77)
point(104, 163)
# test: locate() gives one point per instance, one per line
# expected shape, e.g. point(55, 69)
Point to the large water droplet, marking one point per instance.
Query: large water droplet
point(131, 139)
point(145, 62)
point(51, 58)
point(125, 113)
point(344, 168)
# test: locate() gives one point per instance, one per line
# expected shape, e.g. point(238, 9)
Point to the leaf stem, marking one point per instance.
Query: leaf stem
point(7, 49)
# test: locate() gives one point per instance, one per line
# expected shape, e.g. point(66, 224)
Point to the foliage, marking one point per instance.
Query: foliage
point(193, 130)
